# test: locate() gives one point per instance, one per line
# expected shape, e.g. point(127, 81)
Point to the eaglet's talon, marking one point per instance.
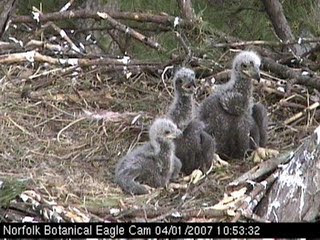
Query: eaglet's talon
point(149, 189)
point(218, 162)
point(261, 154)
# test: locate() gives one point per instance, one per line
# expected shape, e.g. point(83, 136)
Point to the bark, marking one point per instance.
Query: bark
point(186, 9)
point(295, 195)
point(6, 8)
point(280, 24)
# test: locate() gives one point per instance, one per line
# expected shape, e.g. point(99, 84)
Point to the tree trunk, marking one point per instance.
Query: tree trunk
point(280, 24)
point(6, 8)
point(186, 9)
point(295, 195)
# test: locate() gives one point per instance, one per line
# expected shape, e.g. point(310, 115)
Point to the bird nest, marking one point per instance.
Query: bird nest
point(62, 132)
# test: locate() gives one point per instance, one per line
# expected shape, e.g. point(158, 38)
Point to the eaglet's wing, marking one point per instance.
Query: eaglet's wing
point(233, 102)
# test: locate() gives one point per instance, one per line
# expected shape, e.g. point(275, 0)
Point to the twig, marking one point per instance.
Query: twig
point(185, 47)
point(69, 125)
point(163, 81)
point(56, 70)
point(20, 127)
point(67, 6)
point(300, 114)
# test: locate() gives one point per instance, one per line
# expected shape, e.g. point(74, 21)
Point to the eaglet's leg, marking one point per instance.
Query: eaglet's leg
point(126, 179)
point(176, 167)
point(258, 134)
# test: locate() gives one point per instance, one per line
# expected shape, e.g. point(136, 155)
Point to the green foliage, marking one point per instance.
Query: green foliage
point(25, 7)
point(303, 15)
point(168, 6)
point(243, 19)
point(9, 190)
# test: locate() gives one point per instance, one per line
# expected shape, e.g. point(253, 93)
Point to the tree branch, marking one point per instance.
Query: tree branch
point(127, 30)
point(133, 16)
point(280, 24)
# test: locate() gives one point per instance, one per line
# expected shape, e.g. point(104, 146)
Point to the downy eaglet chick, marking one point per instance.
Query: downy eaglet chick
point(227, 112)
point(153, 163)
point(182, 109)
point(195, 148)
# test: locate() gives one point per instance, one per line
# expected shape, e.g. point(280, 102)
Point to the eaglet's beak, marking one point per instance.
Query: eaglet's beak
point(253, 72)
point(177, 134)
point(190, 86)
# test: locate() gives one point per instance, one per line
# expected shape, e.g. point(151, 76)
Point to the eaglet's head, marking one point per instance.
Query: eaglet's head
point(247, 64)
point(185, 81)
point(163, 129)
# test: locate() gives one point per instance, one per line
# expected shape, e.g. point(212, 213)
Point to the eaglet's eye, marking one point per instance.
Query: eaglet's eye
point(179, 81)
point(167, 132)
point(244, 65)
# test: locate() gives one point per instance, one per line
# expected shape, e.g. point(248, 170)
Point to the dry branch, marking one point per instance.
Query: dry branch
point(65, 37)
point(127, 30)
point(300, 114)
point(82, 14)
point(266, 43)
point(9, 46)
point(261, 169)
point(186, 48)
point(32, 56)
point(32, 44)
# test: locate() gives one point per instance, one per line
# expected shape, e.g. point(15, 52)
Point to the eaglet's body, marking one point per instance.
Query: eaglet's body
point(227, 113)
point(195, 148)
point(153, 164)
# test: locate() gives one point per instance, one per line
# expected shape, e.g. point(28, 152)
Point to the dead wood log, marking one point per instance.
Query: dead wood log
point(306, 78)
point(295, 195)
point(82, 14)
